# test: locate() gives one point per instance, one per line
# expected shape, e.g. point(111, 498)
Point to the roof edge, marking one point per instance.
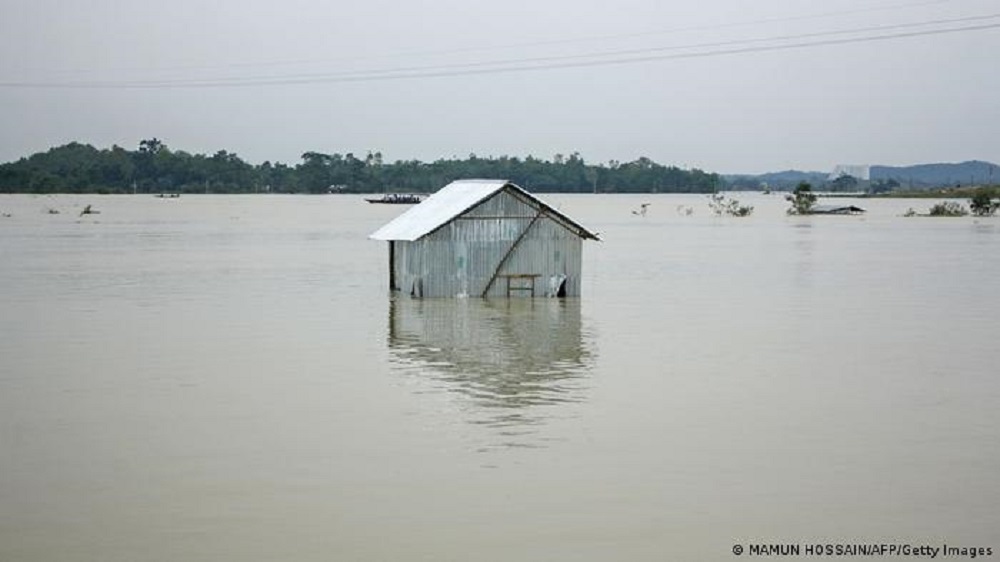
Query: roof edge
point(492, 187)
point(583, 232)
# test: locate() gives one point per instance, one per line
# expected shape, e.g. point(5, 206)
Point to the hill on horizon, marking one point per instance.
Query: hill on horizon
point(918, 176)
point(971, 172)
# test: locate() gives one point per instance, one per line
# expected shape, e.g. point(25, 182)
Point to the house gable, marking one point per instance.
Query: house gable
point(457, 199)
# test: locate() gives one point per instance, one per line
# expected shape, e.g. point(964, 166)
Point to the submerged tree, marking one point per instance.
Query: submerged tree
point(802, 199)
point(729, 206)
point(948, 209)
point(982, 203)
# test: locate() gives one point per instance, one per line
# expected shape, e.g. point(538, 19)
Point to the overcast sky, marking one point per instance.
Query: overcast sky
point(722, 85)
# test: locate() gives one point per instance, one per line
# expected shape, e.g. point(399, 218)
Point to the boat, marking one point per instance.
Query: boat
point(397, 199)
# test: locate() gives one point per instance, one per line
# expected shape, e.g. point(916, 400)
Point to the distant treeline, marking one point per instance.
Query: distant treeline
point(155, 168)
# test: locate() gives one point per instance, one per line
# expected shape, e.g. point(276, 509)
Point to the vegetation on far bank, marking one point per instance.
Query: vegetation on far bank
point(155, 168)
point(981, 204)
point(947, 193)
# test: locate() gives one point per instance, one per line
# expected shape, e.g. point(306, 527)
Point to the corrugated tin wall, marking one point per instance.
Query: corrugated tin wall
point(460, 257)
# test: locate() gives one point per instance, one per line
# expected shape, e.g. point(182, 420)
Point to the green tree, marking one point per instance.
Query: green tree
point(729, 206)
point(982, 204)
point(152, 145)
point(948, 209)
point(802, 199)
point(844, 182)
point(884, 185)
point(315, 173)
point(153, 167)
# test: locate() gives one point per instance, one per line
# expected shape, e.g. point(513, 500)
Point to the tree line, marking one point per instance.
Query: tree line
point(155, 168)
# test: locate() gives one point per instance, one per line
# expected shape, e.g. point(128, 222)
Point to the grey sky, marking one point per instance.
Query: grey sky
point(923, 98)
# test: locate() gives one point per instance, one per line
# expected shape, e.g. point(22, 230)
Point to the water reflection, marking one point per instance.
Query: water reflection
point(805, 250)
point(516, 361)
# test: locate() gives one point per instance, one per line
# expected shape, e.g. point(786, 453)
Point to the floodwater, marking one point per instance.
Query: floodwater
point(226, 378)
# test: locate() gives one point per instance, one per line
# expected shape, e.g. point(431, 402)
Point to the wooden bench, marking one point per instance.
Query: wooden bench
point(521, 282)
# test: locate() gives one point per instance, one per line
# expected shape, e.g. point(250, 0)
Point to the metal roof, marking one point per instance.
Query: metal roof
point(451, 201)
point(835, 209)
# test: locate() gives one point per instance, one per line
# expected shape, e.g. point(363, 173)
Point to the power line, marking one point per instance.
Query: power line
point(616, 36)
point(543, 43)
point(606, 54)
point(651, 58)
point(532, 64)
point(711, 27)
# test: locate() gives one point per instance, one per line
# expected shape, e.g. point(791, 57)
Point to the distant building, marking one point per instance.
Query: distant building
point(849, 178)
point(484, 238)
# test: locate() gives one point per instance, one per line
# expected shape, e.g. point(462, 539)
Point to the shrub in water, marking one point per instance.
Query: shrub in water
point(948, 209)
point(802, 199)
point(722, 205)
point(982, 203)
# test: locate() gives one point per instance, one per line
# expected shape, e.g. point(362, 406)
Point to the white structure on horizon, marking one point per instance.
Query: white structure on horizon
point(859, 171)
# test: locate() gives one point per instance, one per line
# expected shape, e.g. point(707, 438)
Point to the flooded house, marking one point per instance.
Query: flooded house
point(835, 210)
point(484, 238)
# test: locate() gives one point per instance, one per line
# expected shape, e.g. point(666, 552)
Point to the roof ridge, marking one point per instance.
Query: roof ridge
point(452, 201)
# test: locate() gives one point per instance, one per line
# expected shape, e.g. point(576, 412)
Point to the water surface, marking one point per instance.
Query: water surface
point(226, 378)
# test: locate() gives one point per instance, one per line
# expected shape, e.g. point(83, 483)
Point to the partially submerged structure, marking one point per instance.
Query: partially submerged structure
point(835, 210)
point(484, 238)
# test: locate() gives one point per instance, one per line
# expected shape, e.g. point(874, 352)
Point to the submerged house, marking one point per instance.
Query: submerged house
point(484, 238)
point(835, 210)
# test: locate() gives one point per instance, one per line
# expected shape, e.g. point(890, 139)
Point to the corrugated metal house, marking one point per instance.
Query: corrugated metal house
point(486, 238)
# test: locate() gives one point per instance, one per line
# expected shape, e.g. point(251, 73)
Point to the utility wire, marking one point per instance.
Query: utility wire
point(595, 55)
point(595, 38)
point(532, 64)
point(550, 42)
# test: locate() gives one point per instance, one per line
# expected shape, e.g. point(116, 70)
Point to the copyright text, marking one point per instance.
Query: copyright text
point(762, 550)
